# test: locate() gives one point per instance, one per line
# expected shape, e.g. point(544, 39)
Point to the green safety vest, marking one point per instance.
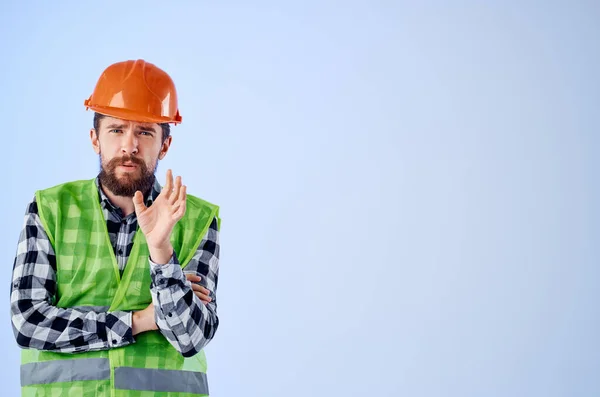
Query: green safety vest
point(88, 278)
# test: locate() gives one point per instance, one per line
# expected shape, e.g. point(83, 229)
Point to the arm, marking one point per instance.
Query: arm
point(187, 323)
point(36, 322)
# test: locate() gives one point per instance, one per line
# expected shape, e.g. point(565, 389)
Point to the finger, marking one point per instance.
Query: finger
point(193, 277)
point(176, 204)
point(175, 193)
point(201, 289)
point(204, 290)
point(202, 297)
point(138, 202)
point(179, 211)
point(168, 184)
point(183, 193)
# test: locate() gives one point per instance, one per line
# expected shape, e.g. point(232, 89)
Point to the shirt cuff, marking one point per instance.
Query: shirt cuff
point(164, 276)
point(119, 331)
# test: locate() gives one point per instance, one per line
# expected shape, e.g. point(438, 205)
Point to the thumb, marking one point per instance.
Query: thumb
point(138, 202)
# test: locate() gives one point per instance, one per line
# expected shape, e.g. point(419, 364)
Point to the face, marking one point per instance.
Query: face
point(129, 152)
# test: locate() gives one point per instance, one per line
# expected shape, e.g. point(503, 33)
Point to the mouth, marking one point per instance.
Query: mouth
point(128, 167)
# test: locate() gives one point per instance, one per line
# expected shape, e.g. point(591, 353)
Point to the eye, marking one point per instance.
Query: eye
point(115, 130)
point(147, 133)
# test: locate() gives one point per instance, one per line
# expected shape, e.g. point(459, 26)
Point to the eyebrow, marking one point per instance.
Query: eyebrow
point(116, 125)
point(143, 127)
point(146, 127)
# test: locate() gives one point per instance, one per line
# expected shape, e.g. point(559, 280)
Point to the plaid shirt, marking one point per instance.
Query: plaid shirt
point(186, 322)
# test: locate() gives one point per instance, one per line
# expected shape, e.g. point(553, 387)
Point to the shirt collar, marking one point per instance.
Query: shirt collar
point(106, 203)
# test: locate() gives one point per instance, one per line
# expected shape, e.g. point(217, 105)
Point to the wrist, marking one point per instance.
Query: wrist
point(161, 254)
point(142, 321)
point(136, 323)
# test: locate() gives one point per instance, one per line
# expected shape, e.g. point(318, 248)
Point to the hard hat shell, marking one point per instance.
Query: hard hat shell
point(135, 90)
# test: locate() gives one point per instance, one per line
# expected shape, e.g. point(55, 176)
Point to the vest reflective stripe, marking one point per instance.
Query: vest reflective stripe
point(160, 380)
point(65, 371)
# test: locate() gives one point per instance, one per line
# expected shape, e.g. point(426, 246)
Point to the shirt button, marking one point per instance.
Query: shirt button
point(170, 314)
point(114, 341)
point(162, 281)
point(120, 252)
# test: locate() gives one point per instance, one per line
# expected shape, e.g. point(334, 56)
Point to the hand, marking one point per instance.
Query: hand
point(143, 320)
point(199, 290)
point(157, 221)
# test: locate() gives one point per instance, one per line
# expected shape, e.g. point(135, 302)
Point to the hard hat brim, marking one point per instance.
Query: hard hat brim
point(125, 114)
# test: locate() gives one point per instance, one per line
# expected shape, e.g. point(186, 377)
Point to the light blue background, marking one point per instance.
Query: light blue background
point(407, 188)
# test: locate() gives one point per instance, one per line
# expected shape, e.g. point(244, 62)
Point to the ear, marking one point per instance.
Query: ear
point(165, 147)
point(95, 141)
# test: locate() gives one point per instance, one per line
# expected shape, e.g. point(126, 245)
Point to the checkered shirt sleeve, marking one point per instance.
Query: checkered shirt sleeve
point(36, 322)
point(187, 322)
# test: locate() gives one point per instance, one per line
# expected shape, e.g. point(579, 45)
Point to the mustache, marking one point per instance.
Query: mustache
point(125, 159)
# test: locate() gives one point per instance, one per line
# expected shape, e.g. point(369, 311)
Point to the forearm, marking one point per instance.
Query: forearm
point(36, 322)
point(143, 320)
point(186, 322)
point(39, 325)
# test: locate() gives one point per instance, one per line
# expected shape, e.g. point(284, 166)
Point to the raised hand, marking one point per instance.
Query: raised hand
point(157, 221)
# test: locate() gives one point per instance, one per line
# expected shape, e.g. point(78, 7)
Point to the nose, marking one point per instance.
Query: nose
point(129, 144)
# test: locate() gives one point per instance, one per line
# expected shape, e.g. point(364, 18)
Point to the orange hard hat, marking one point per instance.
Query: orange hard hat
point(137, 91)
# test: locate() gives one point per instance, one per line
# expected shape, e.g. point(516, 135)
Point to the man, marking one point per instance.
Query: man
point(114, 280)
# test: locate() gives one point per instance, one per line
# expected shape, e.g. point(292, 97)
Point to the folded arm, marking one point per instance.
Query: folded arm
point(36, 322)
point(188, 323)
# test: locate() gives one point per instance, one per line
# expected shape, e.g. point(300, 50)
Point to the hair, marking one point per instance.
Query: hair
point(166, 128)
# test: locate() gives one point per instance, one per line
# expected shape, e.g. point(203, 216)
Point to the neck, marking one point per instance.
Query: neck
point(124, 203)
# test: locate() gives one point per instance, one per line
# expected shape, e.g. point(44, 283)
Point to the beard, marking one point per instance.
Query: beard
point(142, 179)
